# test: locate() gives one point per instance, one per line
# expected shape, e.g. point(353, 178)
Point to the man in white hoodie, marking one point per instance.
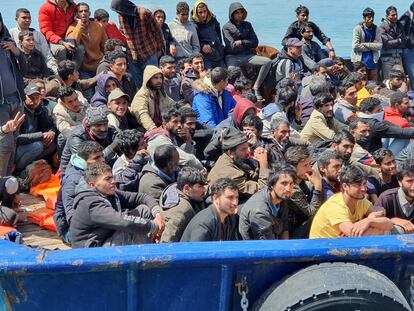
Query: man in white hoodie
point(184, 33)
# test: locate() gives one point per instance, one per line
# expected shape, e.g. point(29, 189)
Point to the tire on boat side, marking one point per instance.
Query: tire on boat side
point(335, 286)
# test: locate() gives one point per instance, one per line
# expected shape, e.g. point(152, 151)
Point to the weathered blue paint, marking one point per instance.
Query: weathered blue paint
point(182, 276)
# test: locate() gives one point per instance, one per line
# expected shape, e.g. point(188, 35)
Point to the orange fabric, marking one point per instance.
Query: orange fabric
point(49, 224)
point(39, 215)
point(4, 230)
point(49, 190)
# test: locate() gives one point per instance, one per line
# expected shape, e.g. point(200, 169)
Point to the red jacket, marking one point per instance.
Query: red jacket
point(54, 21)
point(114, 33)
point(393, 116)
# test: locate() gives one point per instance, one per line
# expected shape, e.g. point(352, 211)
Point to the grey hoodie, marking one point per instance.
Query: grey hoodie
point(185, 38)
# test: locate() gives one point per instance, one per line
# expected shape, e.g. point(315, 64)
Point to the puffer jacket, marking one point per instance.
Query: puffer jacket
point(407, 23)
point(206, 103)
point(233, 32)
point(143, 104)
point(54, 21)
point(393, 38)
point(393, 116)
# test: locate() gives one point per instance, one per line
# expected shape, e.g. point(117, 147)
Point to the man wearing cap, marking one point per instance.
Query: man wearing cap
point(234, 163)
point(118, 107)
point(94, 127)
point(37, 133)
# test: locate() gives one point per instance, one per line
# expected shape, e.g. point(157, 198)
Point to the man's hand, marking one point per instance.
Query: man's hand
point(298, 113)
point(143, 153)
point(12, 125)
point(293, 76)
point(404, 223)
point(159, 220)
point(377, 214)
point(69, 46)
point(238, 42)
point(48, 137)
point(359, 228)
point(260, 155)
point(9, 46)
point(251, 137)
point(173, 50)
point(332, 54)
point(185, 135)
point(207, 49)
point(315, 179)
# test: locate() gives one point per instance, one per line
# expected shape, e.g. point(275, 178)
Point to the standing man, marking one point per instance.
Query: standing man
point(367, 44)
point(12, 67)
point(265, 214)
point(24, 19)
point(144, 36)
point(393, 41)
point(55, 16)
point(407, 24)
point(217, 222)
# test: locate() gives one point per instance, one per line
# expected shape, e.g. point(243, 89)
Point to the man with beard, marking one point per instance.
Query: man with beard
point(95, 128)
point(197, 71)
point(360, 130)
point(399, 202)
point(181, 202)
point(345, 109)
point(321, 125)
point(169, 133)
point(348, 213)
point(280, 140)
point(151, 99)
point(234, 163)
point(171, 81)
point(330, 164)
point(306, 198)
point(219, 221)
point(265, 214)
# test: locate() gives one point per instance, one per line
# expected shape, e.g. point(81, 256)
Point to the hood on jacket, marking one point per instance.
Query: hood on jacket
point(205, 86)
point(4, 32)
point(78, 162)
point(149, 72)
point(123, 7)
point(234, 7)
point(169, 197)
point(159, 9)
point(100, 94)
point(83, 187)
point(194, 14)
point(240, 110)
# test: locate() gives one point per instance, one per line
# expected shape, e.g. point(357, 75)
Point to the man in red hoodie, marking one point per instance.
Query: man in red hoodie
point(55, 16)
point(398, 109)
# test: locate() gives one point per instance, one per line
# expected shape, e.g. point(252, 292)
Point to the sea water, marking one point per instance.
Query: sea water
point(270, 19)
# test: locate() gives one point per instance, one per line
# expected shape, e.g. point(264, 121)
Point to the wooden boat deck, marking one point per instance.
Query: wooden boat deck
point(34, 235)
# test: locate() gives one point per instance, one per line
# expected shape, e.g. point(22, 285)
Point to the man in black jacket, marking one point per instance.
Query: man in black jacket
point(407, 24)
point(265, 215)
point(105, 216)
point(371, 111)
point(219, 221)
point(399, 202)
point(95, 128)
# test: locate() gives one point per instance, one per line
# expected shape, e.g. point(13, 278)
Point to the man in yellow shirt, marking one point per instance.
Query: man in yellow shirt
point(349, 213)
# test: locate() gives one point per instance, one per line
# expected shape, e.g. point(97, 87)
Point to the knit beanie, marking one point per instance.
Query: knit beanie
point(95, 115)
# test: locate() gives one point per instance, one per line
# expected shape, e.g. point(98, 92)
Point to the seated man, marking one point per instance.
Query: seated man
point(184, 33)
point(280, 140)
point(24, 19)
point(110, 46)
point(195, 72)
point(306, 198)
point(360, 130)
point(37, 133)
point(345, 109)
point(105, 84)
point(265, 215)
point(250, 176)
point(181, 202)
point(398, 202)
point(54, 20)
point(395, 82)
point(349, 213)
point(35, 61)
point(105, 216)
point(395, 114)
point(330, 164)
point(173, 133)
point(95, 128)
point(68, 113)
point(212, 102)
point(88, 152)
point(387, 178)
point(219, 221)
point(118, 103)
point(118, 67)
point(69, 76)
point(321, 125)
point(91, 35)
point(160, 173)
point(171, 81)
point(151, 100)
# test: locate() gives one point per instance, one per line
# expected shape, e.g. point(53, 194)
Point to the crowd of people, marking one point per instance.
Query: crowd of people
point(189, 131)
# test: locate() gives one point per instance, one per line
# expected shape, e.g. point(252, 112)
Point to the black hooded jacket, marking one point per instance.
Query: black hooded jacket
point(407, 23)
point(243, 31)
point(18, 64)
